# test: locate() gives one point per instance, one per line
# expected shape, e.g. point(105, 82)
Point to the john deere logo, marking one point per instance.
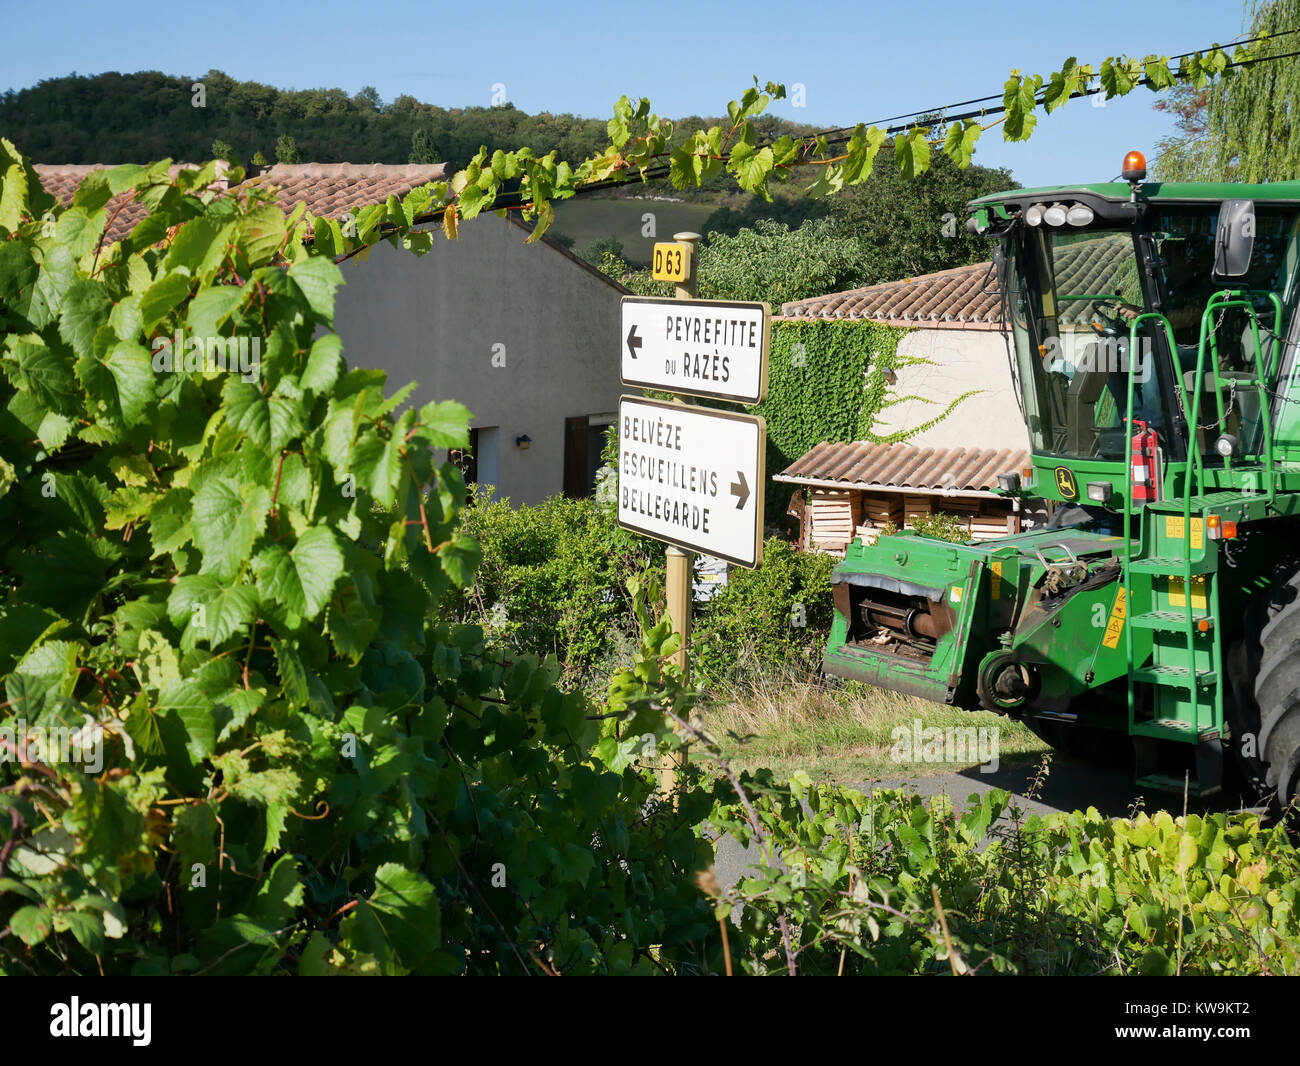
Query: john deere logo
point(1065, 483)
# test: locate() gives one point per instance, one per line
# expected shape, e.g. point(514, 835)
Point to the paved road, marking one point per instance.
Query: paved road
point(1072, 784)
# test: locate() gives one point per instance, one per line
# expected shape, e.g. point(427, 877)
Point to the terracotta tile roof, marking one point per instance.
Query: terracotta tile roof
point(955, 295)
point(333, 188)
point(899, 466)
point(326, 188)
point(61, 180)
point(959, 296)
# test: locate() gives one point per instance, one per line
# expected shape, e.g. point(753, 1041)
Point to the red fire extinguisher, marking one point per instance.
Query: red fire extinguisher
point(1146, 472)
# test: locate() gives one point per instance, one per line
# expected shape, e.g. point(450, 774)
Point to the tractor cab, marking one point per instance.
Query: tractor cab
point(1177, 297)
point(1152, 333)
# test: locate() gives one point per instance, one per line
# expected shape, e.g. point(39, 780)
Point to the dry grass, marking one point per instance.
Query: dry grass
point(839, 732)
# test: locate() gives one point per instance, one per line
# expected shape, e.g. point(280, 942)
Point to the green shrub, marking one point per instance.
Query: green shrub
point(553, 580)
point(890, 883)
point(774, 617)
point(599, 251)
point(775, 263)
point(940, 525)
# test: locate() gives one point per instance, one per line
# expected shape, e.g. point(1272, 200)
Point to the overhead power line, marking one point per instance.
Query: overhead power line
point(516, 200)
point(1237, 42)
point(842, 134)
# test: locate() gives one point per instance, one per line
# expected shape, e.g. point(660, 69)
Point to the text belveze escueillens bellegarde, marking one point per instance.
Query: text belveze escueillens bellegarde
point(686, 478)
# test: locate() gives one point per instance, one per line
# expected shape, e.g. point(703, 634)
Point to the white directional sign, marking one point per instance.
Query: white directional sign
point(714, 348)
point(693, 477)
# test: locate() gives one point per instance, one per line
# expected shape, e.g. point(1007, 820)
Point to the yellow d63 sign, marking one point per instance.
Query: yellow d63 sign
point(672, 262)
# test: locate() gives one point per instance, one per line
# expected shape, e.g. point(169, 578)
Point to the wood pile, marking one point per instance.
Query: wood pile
point(915, 507)
point(988, 526)
point(834, 516)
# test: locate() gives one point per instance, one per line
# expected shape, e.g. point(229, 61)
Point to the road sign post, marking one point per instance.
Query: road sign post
point(678, 563)
point(692, 476)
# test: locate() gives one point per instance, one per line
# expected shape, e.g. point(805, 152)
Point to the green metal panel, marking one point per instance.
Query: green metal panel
point(1119, 191)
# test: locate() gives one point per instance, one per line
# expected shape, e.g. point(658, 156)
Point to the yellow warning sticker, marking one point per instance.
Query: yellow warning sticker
point(996, 567)
point(955, 595)
point(1174, 531)
point(1178, 598)
point(1115, 627)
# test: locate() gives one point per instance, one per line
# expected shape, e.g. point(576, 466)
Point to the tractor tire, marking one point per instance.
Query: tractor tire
point(1277, 693)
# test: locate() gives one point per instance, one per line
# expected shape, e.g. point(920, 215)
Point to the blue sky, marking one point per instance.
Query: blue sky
point(858, 62)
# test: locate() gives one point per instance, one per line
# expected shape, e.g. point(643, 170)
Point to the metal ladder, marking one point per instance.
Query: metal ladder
point(1191, 660)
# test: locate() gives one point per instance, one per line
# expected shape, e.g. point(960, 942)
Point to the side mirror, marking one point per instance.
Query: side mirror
point(1234, 239)
point(1000, 266)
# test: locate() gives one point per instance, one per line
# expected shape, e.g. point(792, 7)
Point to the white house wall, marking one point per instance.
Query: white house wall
point(958, 361)
point(441, 319)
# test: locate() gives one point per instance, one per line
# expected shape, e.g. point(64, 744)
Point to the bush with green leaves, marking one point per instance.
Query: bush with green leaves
point(764, 620)
point(229, 582)
point(775, 263)
point(553, 581)
point(890, 883)
point(553, 577)
point(940, 525)
point(598, 251)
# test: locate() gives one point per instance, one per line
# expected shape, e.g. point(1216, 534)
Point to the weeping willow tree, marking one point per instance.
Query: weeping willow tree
point(1242, 128)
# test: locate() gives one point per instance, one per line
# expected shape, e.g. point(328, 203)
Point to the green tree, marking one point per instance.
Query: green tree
point(772, 262)
point(1185, 154)
point(793, 210)
point(911, 226)
point(423, 149)
point(286, 150)
point(221, 150)
point(1243, 126)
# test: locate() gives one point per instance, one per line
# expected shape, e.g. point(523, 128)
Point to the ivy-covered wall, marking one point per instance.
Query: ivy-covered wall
point(827, 380)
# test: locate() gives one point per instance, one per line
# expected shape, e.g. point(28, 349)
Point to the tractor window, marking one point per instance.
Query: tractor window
point(1184, 241)
point(1185, 244)
point(1074, 293)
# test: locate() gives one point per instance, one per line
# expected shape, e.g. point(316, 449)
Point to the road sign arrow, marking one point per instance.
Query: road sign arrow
point(633, 341)
point(740, 489)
